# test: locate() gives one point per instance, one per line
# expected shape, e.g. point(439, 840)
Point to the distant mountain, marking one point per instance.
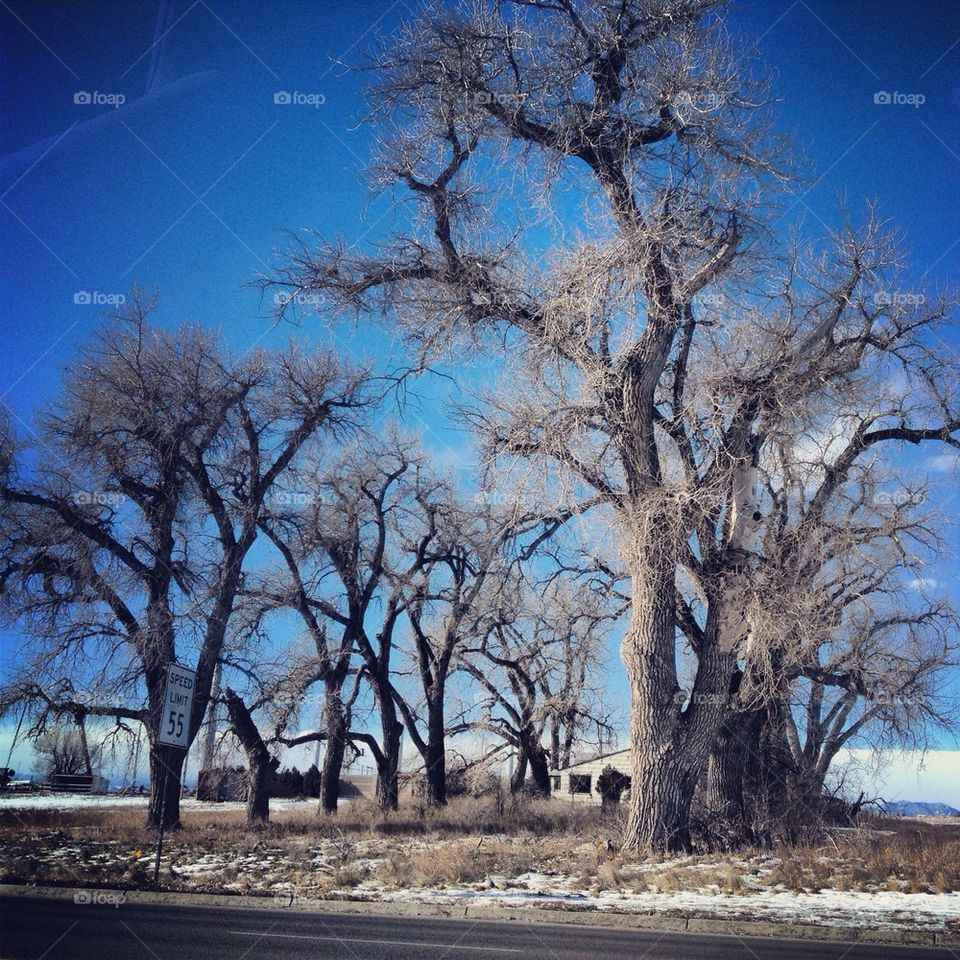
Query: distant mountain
point(916, 808)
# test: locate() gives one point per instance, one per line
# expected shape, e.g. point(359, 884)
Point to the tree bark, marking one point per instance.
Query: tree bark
point(535, 760)
point(733, 774)
point(662, 788)
point(262, 763)
point(519, 776)
point(540, 771)
point(670, 745)
point(337, 723)
point(166, 770)
point(388, 762)
point(435, 759)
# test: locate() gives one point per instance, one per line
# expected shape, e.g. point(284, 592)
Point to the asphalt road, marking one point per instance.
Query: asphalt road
point(47, 929)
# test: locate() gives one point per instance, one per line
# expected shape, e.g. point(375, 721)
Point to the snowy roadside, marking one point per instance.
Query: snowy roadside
point(869, 880)
point(883, 910)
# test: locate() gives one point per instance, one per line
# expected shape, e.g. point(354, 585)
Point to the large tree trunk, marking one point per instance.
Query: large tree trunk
point(258, 798)
point(262, 763)
point(519, 776)
point(539, 771)
point(331, 772)
point(535, 759)
point(661, 790)
point(82, 730)
point(388, 764)
point(733, 776)
point(669, 748)
point(337, 717)
point(435, 760)
point(166, 770)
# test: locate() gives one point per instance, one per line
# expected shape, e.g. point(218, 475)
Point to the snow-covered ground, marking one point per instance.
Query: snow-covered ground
point(497, 870)
point(886, 909)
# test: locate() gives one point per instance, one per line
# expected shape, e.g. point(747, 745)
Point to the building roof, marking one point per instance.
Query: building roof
point(591, 760)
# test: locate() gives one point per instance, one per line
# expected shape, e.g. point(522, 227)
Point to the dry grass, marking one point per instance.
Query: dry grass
point(468, 843)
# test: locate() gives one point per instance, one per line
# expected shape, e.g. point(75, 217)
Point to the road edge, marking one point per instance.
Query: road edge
point(590, 918)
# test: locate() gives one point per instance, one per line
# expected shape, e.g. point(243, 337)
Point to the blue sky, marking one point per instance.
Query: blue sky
point(190, 185)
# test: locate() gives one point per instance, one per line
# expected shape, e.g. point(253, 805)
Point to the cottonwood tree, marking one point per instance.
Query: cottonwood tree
point(660, 343)
point(64, 748)
point(849, 646)
point(451, 557)
point(536, 666)
point(128, 526)
point(307, 529)
point(345, 576)
point(262, 761)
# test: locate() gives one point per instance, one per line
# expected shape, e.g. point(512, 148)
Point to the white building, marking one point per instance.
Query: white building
point(578, 782)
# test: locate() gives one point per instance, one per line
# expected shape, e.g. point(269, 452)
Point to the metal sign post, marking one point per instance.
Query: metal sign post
point(174, 733)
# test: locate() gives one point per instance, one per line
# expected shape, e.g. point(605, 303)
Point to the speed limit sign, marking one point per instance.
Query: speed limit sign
point(177, 704)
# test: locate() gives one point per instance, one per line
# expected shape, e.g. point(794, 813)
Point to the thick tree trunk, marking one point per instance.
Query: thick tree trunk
point(519, 776)
point(258, 799)
point(388, 766)
point(262, 763)
point(733, 776)
point(535, 758)
point(82, 730)
point(336, 723)
point(540, 772)
point(166, 770)
point(435, 760)
point(671, 735)
point(662, 786)
point(330, 773)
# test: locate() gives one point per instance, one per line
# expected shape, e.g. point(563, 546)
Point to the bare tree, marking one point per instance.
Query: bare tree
point(261, 761)
point(650, 359)
point(124, 547)
point(849, 646)
point(537, 666)
point(456, 557)
point(63, 748)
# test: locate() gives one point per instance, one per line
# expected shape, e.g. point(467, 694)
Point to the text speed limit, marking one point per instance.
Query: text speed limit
point(177, 704)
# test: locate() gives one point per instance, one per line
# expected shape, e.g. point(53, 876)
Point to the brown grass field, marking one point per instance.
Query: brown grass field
point(469, 842)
